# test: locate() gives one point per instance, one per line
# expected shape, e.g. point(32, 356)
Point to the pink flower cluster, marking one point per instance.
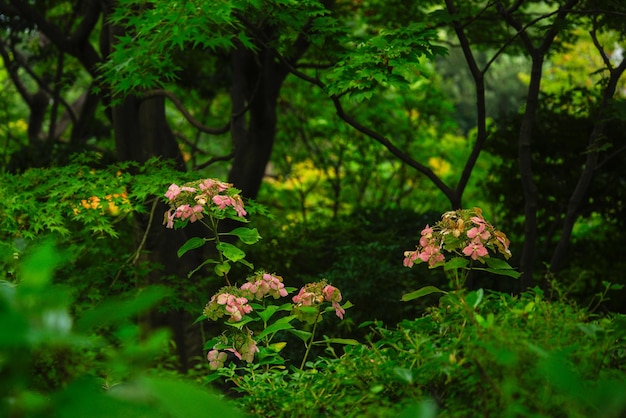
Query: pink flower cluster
point(463, 232)
point(216, 359)
point(428, 251)
point(226, 302)
point(265, 284)
point(315, 293)
point(243, 347)
point(187, 202)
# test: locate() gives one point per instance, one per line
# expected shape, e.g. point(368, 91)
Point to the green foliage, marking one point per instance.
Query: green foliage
point(384, 60)
point(52, 365)
point(359, 253)
point(77, 196)
point(92, 212)
point(504, 356)
point(147, 53)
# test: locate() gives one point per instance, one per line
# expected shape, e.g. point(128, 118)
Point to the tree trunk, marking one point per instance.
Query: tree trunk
point(529, 187)
point(584, 181)
point(257, 80)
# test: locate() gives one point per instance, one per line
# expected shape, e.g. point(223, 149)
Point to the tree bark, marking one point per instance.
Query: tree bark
point(591, 163)
point(257, 80)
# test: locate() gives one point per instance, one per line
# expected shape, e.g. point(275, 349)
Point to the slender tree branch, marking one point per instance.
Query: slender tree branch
point(181, 107)
point(215, 160)
point(600, 48)
point(481, 111)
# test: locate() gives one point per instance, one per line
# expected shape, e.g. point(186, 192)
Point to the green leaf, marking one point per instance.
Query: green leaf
point(230, 251)
point(344, 341)
point(246, 235)
point(115, 310)
point(191, 244)
point(275, 327)
point(266, 313)
point(510, 273)
point(421, 293)
point(474, 298)
point(245, 320)
point(222, 269)
point(404, 374)
point(246, 263)
point(456, 263)
point(303, 335)
point(498, 264)
point(181, 399)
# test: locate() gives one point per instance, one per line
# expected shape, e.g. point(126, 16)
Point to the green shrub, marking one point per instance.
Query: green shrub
point(476, 354)
point(53, 364)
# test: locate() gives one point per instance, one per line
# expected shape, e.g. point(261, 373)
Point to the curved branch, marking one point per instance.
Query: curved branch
point(77, 44)
point(401, 155)
point(481, 108)
point(181, 107)
point(600, 48)
point(215, 159)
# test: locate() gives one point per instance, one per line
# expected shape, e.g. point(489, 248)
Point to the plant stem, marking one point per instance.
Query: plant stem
point(310, 344)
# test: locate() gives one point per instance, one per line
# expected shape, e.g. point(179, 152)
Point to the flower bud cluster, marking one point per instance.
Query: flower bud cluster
point(264, 284)
point(461, 232)
point(189, 201)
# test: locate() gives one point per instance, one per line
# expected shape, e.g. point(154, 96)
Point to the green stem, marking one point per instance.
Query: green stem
point(216, 237)
point(310, 343)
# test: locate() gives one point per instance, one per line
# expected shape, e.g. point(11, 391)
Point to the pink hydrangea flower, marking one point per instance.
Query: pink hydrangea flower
point(266, 284)
point(475, 249)
point(304, 298)
point(193, 213)
point(172, 192)
point(333, 295)
point(216, 359)
point(235, 202)
point(209, 184)
point(409, 258)
point(169, 219)
point(478, 231)
point(427, 235)
point(431, 254)
point(235, 306)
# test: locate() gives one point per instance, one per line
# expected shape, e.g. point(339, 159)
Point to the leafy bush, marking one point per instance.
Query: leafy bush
point(53, 365)
point(476, 354)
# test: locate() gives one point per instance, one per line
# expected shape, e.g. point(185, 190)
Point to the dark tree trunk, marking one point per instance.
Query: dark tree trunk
point(257, 79)
point(596, 140)
point(529, 187)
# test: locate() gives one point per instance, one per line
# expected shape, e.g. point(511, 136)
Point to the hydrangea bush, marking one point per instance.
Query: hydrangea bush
point(254, 313)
